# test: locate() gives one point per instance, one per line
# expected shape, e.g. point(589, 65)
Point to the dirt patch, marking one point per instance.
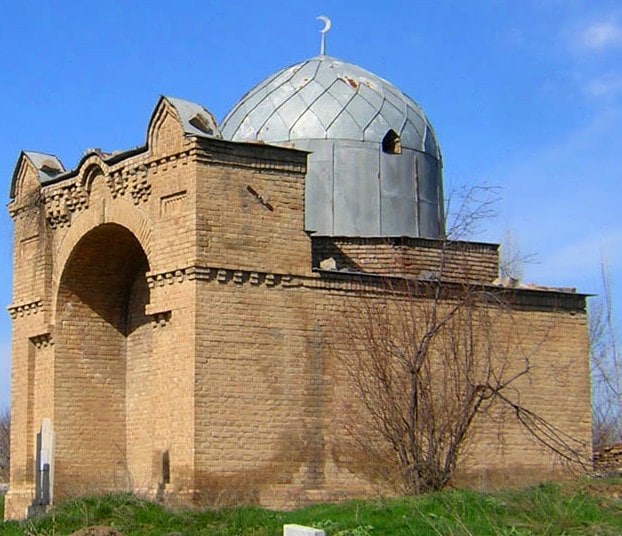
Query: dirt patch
point(96, 531)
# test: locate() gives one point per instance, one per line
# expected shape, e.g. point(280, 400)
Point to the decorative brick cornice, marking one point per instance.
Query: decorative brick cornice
point(134, 179)
point(222, 276)
point(162, 279)
point(160, 316)
point(349, 282)
point(42, 340)
point(139, 186)
point(161, 319)
point(337, 281)
point(117, 183)
point(25, 309)
point(173, 160)
point(62, 201)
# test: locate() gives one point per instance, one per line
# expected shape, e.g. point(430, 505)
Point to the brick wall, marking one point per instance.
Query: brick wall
point(169, 321)
point(411, 257)
point(608, 460)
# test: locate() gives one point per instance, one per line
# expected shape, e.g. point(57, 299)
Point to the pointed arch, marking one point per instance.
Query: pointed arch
point(391, 143)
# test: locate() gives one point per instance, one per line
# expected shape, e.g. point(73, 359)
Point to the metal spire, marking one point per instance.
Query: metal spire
point(323, 31)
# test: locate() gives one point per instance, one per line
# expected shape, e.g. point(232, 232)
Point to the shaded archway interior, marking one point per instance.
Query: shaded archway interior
point(100, 321)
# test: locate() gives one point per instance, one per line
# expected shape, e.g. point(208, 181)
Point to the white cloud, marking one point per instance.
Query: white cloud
point(601, 35)
point(605, 87)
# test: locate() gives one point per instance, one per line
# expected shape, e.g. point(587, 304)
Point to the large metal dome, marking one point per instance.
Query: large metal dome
point(375, 164)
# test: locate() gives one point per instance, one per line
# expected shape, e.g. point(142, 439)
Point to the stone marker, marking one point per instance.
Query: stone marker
point(46, 461)
point(299, 530)
point(44, 483)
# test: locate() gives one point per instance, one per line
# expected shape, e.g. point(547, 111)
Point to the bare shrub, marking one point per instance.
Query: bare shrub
point(426, 360)
point(424, 367)
point(606, 363)
point(5, 443)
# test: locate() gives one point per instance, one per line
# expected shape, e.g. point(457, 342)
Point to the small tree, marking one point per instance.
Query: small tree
point(5, 444)
point(606, 362)
point(427, 359)
point(424, 361)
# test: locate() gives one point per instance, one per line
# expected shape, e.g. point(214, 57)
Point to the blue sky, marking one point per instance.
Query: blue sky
point(523, 95)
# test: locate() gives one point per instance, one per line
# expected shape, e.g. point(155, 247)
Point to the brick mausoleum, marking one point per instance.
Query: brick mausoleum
point(174, 304)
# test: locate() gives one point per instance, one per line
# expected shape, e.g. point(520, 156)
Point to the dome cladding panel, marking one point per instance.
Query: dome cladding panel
point(310, 92)
point(342, 92)
point(308, 125)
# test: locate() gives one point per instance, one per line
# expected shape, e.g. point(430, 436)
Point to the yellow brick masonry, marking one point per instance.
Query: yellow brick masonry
point(168, 319)
point(410, 257)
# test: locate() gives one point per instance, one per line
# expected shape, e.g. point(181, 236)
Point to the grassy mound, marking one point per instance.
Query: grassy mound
point(585, 507)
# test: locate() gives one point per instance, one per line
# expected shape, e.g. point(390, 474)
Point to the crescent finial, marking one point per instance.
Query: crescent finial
point(323, 31)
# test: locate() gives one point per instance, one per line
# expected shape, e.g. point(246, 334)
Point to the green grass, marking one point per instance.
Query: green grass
point(583, 508)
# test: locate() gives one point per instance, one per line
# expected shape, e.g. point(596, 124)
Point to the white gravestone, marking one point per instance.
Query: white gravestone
point(45, 469)
point(299, 530)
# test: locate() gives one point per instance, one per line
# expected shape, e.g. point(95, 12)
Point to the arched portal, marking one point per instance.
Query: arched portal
point(103, 344)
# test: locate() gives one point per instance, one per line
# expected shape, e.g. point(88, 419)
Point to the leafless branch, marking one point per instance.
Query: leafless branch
point(468, 208)
point(5, 443)
point(513, 259)
point(427, 359)
point(606, 363)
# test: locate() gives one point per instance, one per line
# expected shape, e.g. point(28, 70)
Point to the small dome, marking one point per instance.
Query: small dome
point(375, 164)
point(325, 98)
